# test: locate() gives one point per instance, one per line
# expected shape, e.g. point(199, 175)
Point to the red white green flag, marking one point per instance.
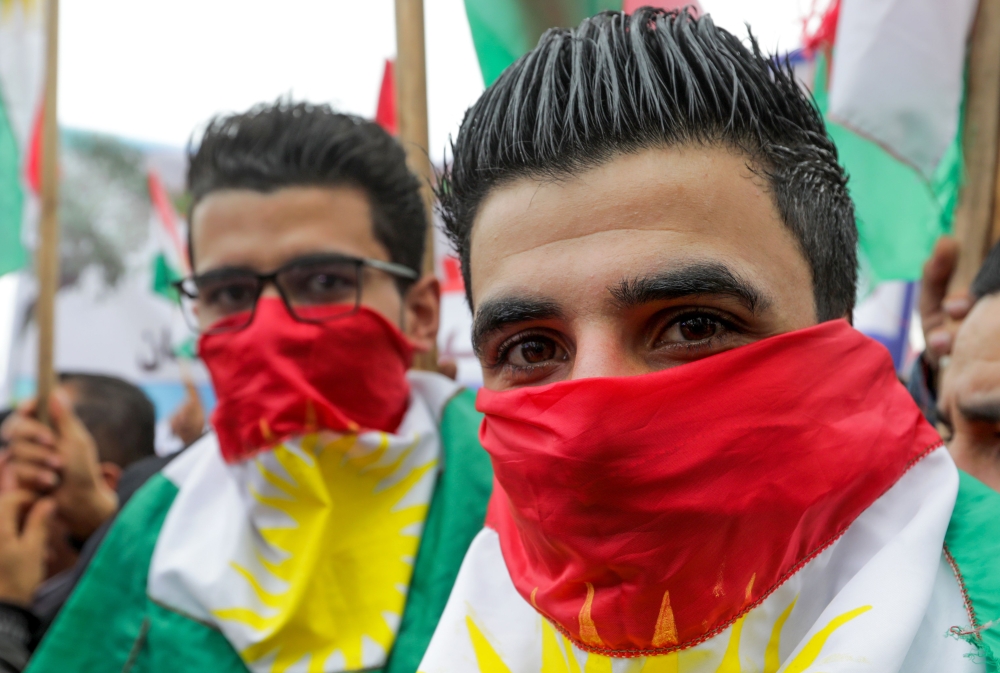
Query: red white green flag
point(21, 76)
point(504, 30)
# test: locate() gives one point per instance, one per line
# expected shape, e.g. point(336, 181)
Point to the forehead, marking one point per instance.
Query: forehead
point(264, 229)
point(637, 214)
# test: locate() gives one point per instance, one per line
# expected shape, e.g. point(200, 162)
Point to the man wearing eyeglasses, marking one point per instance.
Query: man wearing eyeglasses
point(321, 525)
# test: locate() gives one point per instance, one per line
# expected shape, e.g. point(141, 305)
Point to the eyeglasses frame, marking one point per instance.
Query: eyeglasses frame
point(263, 279)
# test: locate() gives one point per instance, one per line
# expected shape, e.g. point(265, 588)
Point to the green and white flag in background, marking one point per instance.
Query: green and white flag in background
point(21, 77)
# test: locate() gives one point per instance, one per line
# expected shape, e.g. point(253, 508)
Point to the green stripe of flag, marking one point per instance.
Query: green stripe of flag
point(900, 215)
point(12, 254)
point(504, 30)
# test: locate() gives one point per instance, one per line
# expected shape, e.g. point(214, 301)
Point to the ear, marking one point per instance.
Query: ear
point(111, 473)
point(421, 313)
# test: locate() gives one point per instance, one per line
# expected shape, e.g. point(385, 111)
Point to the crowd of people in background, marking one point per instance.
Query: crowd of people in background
point(60, 488)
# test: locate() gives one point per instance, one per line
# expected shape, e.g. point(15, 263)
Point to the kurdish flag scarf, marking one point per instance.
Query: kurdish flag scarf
point(772, 508)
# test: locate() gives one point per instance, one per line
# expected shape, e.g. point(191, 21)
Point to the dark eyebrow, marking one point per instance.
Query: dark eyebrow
point(495, 314)
point(688, 281)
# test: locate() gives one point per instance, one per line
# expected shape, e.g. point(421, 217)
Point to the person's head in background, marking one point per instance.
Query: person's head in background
point(118, 415)
point(640, 193)
point(284, 182)
point(969, 401)
point(121, 421)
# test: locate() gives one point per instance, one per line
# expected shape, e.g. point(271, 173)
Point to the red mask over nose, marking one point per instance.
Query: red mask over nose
point(644, 514)
point(279, 378)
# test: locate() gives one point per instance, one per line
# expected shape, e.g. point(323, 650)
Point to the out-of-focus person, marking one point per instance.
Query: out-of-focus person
point(969, 403)
point(968, 411)
point(188, 422)
point(321, 524)
point(941, 313)
point(185, 425)
point(102, 430)
point(24, 538)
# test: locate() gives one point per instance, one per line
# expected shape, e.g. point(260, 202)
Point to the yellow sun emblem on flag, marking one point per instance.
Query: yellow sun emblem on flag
point(558, 655)
point(344, 564)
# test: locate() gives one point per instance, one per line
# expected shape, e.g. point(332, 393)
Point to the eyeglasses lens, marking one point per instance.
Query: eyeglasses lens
point(321, 290)
point(225, 303)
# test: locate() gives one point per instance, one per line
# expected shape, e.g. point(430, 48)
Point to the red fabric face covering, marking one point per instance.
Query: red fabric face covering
point(279, 377)
point(645, 514)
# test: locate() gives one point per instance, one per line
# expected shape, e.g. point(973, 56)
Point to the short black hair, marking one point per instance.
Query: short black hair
point(285, 144)
point(987, 280)
point(622, 83)
point(119, 416)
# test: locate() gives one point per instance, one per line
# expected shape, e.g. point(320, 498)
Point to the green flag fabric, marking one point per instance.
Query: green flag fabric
point(900, 215)
point(113, 624)
point(12, 255)
point(504, 30)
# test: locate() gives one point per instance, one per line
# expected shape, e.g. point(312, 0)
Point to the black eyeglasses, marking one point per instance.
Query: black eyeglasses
point(315, 289)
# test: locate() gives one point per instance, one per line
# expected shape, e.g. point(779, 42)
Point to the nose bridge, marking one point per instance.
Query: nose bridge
point(601, 351)
point(270, 289)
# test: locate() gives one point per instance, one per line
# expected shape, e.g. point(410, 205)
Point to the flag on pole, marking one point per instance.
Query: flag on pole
point(898, 74)
point(899, 213)
point(385, 113)
point(903, 200)
point(22, 62)
point(171, 263)
point(504, 30)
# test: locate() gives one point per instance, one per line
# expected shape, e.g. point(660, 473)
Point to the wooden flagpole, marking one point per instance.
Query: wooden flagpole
point(47, 265)
point(977, 218)
point(411, 117)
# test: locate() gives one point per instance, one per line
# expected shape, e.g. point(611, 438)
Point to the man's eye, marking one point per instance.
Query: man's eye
point(698, 328)
point(324, 282)
point(533, 352)
point(229, 295)
point(692, 328)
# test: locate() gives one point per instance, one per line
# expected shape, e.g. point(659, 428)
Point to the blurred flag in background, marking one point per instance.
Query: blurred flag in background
point(504, 30)
point(21, 77)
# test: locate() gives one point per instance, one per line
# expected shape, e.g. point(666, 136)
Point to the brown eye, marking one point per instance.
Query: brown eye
point(533, 352)
point(698, 328)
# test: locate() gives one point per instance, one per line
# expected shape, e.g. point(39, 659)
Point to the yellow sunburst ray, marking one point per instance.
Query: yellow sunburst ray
point(772, 654)
point(558, 653)
point(347, 556)
point(810, 652)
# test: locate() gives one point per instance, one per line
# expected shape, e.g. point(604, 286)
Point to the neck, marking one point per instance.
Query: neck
point(983, 464)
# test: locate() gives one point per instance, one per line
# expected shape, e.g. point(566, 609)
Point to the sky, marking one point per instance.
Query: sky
point(155, 72)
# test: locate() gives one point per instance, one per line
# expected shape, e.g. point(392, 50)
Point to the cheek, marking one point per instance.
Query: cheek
point(382, 296)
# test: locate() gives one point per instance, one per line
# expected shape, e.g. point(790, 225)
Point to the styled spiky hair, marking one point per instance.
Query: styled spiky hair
point(622, 83)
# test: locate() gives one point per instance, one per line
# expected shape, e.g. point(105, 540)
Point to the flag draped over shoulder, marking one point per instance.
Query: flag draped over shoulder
point(21, 77)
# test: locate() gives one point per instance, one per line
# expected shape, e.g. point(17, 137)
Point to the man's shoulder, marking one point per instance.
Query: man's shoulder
point(972, 545)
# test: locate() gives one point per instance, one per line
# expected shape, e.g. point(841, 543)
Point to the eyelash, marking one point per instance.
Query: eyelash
point(731, 326)
point(499, 361)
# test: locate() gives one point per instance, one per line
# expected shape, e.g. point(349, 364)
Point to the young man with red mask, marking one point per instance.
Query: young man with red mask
point(322, 523)
point(701, 466)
